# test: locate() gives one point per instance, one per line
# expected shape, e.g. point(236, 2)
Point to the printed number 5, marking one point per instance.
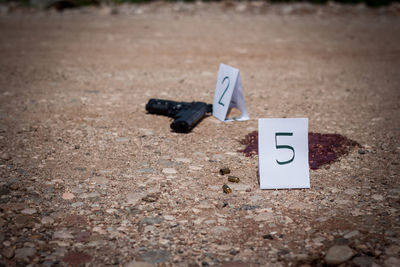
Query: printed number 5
point(284, 147)
point(227, 86)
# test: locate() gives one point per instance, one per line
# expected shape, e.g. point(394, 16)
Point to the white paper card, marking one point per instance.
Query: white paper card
point(229, 94)
point(283, 153)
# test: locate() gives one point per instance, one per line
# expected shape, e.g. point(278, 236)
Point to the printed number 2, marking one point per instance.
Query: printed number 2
point(227, 86)
point(284, 147)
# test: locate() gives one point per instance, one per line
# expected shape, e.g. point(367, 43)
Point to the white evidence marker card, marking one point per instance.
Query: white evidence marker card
point(229, 94)
point(283, 153)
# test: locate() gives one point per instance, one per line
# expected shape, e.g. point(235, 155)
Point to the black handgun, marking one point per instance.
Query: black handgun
point(186, 115)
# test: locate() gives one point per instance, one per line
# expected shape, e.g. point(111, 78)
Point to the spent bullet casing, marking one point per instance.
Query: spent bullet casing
point(224, 171)
point(233, 179)
point(227, 189)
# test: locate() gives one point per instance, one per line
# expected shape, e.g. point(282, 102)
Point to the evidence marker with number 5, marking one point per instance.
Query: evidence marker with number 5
point(284, 147)
point(283, 153)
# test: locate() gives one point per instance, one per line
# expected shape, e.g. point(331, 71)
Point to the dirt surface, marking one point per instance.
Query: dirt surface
point(87, 177)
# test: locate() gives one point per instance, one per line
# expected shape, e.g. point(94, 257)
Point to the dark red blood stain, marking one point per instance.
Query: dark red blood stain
point(327, 148)
point(322, 148)
point(76, 258)
point(251, 143)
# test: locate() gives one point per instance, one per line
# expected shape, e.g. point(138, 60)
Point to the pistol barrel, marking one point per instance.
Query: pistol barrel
point(188, 117)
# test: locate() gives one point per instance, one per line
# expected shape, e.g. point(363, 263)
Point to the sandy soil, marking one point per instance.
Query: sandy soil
point(87, 177)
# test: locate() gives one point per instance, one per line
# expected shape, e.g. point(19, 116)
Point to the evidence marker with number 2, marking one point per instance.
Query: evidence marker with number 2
point(226, 78)
point(283, 153)
point(229, 94)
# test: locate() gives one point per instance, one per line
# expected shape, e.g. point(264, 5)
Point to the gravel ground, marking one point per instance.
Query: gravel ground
point(88, 178)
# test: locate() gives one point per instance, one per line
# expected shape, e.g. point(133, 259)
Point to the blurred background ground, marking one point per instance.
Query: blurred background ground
point(87, 177)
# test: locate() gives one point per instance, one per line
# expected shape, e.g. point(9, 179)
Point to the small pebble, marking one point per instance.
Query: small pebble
point(392, 262)
point(183, 160)
point(393, 250)
point(351, 234)
point(350, 192)
point(338, 254)
point(122, 139)
point(47, 220)
point(195, 168)
point(29, 211)
point(377, 197)
point(150, 198)
point(68, 196)
point(8, 252)
point(24, 253)
point(363, 261)
point(62, 235)
point(140, 264)
point(111, 211)
point(169, 171)
point(77, 204)
point(169, 217)
point(5, 156)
